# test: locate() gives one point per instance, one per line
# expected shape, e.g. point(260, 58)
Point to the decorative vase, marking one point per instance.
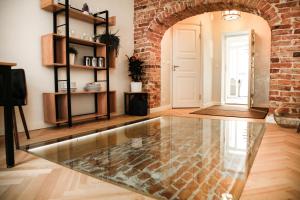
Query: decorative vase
point(72, 58)
point(136, 86)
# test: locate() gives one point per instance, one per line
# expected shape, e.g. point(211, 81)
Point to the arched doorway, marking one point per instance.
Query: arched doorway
point(153, 18)
point(213, 87)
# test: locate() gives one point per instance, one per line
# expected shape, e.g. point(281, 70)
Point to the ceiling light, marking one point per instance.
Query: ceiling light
point(230, 15)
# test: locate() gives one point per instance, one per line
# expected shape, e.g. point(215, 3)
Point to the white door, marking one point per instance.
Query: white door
point(186, 66)
point(237, 69)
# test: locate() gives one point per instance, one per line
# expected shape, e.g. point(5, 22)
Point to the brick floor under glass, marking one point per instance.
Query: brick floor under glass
point(167, 157)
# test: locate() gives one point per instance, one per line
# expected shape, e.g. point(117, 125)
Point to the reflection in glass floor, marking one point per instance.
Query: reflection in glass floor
point(167, 157)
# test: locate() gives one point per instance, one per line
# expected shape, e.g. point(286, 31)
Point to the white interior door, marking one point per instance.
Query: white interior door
point(186, 66)
point(237, 69)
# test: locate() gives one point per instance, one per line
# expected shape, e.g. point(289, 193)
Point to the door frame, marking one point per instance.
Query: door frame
point(201, 65)
point(223, 64)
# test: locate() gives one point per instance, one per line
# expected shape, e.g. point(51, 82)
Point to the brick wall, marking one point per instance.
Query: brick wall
point(153, 17)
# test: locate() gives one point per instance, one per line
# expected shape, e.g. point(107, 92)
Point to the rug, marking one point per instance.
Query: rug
point(234, 111)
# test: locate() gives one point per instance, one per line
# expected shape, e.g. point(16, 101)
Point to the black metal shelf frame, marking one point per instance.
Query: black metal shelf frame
point(68, 68)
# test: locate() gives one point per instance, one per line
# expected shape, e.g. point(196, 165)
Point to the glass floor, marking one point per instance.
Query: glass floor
point(166, 157)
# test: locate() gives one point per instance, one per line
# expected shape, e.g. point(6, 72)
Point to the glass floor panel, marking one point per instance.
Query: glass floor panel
point(166, 157)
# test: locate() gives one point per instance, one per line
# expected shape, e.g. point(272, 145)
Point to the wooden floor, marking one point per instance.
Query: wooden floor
point(275, 174)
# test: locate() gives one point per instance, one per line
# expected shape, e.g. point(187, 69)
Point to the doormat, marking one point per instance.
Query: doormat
point(234, 111)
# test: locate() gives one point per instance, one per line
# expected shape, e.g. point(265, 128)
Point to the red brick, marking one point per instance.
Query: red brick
point(187, 176)
point(153, 18)
point(179, 184)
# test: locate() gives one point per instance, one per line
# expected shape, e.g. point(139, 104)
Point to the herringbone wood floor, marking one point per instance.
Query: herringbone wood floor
point(275, 174)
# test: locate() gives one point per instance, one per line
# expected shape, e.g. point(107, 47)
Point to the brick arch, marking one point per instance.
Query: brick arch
point(154, 17)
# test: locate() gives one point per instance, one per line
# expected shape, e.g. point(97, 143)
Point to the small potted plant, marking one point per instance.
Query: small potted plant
point(135, 72)
point(111, 39)
point(72, 55)
point(85, 9)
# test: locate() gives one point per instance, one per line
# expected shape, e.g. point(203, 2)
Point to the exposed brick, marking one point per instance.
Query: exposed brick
point(286, 26)
point(144, 164)
point(187, 176)
point(297, 31)
point(296, 54)
point(185, 194)
point(154, 166)
point(179, 184)
point(168, 193)
point(155, 188)
point(274, 60)
point(144, 176)
point(153, 17)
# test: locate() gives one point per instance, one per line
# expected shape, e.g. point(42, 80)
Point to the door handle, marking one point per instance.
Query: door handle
point(174, 67)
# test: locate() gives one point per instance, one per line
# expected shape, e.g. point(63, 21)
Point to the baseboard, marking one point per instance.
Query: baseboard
point(161, 108)
point(262, 105)
point(213, 103)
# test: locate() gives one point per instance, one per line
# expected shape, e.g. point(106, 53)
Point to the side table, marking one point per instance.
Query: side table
point(136, 103)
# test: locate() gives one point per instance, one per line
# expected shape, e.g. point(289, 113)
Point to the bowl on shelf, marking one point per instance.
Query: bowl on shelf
point(62, 86)
point(94, 86)
point(288, 115)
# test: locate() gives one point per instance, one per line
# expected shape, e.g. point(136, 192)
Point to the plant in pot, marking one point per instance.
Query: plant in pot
point(135, 72)
point(85, 9)
point(72, 55)
point(111, 39)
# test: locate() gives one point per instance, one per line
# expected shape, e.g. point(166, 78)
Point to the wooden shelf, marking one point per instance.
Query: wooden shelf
point(75, 66)
point(79, 92)
point(61, 121)
point(85, 42)
point(87, 67)
point(50, 6)
point(56, 65)
point(78, 40)
point(51, 100)
point(9, 64)
point(81, 118)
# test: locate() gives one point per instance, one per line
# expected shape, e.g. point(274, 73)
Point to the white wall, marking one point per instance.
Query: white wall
point(23, 23)
point(212, 28)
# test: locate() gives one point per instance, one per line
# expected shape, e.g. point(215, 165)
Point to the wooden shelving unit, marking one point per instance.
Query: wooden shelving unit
point(58, 101)
point(55, 54)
